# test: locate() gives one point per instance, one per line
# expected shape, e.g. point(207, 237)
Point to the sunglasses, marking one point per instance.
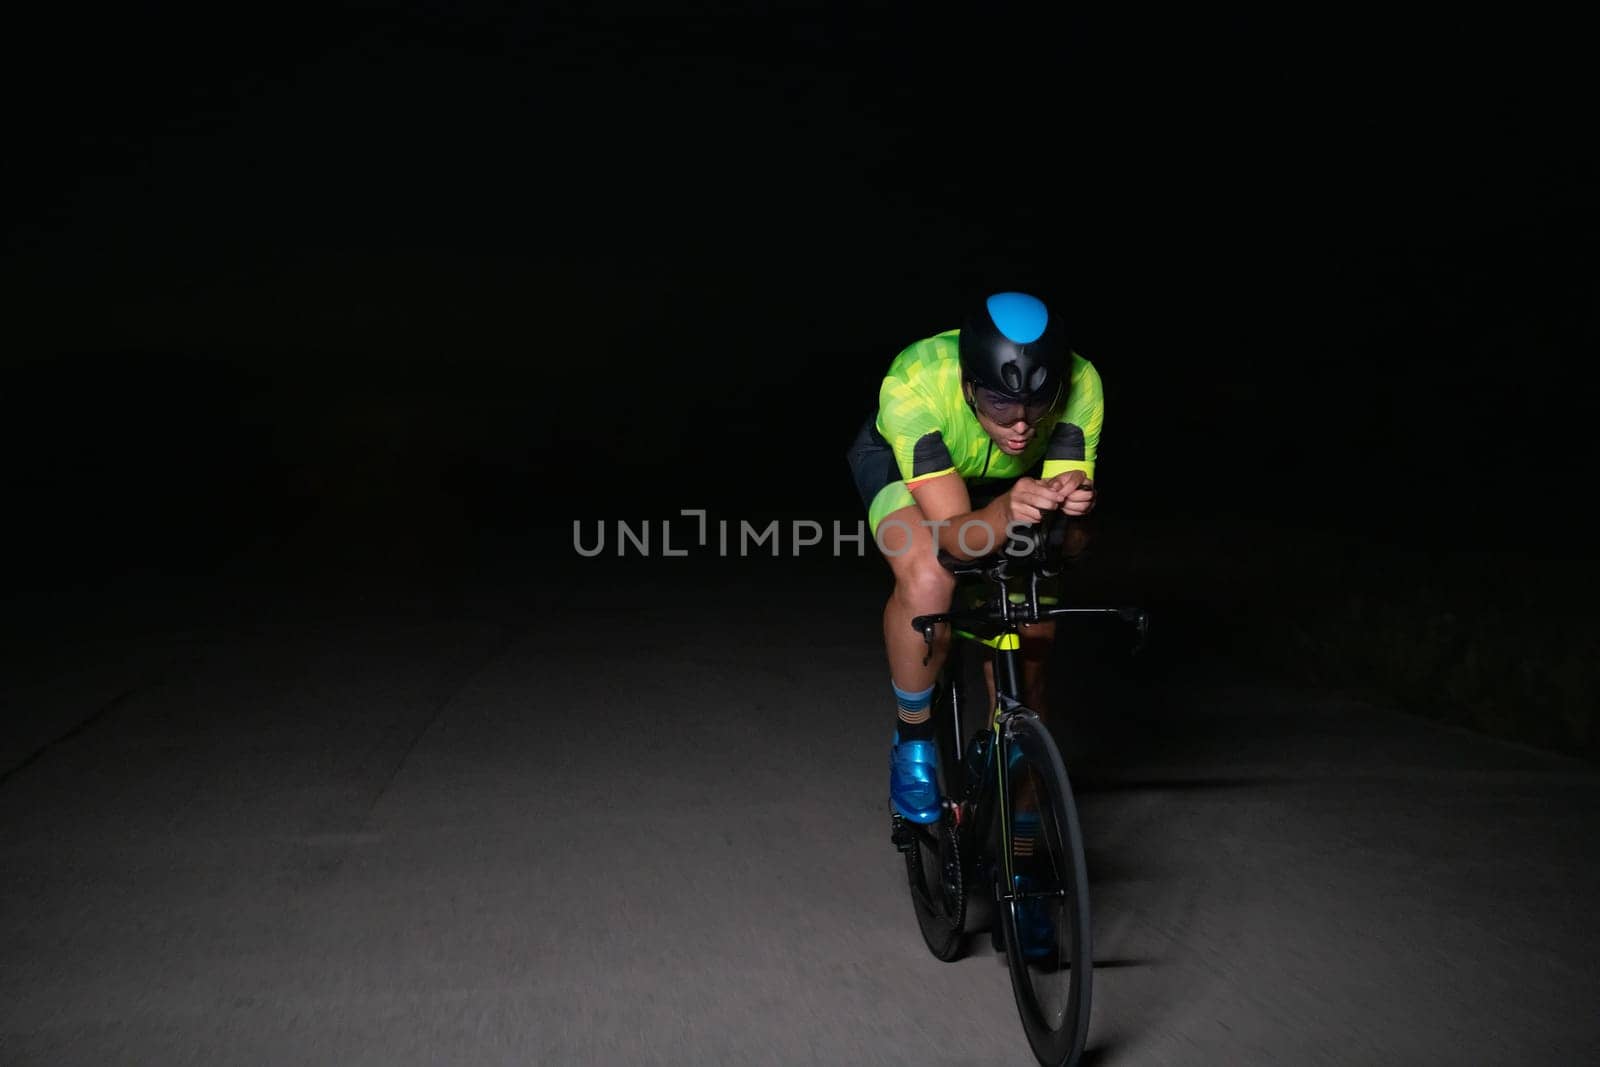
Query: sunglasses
point(1005, 410)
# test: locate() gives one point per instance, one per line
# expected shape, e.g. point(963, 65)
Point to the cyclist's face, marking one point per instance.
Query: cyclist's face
point(1009, 421)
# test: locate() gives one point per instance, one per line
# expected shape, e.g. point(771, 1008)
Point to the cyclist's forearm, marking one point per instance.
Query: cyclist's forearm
point(974, 533)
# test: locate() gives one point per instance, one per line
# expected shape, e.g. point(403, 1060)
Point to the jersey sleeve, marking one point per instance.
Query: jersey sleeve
point(1075, 440)
point(910, 422)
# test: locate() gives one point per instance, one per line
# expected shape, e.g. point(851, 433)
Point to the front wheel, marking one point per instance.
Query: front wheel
point(1044, 895)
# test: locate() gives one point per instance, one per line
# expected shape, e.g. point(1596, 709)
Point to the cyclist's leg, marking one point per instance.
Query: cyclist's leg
point(921, 586)
point(1034, 925)
point(1037, 640)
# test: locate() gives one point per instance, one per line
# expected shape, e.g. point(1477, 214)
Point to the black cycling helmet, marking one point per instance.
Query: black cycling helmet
point(1011, 344)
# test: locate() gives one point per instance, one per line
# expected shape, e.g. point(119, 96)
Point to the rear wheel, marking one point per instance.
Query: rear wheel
point(933, 851)
point(933, 871)
point(1045, 909)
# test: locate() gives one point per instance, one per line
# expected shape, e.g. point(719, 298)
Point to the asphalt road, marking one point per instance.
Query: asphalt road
point(375, 809)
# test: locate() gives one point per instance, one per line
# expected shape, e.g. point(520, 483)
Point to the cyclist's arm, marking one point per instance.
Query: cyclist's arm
point(1073, 445)
point(909, 419)
point(1075, 440)
point(941, 495)
point(968, 533)
point(944, 501)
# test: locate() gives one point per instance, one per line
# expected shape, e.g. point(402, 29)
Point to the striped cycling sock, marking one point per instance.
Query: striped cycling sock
point(1024, 833)
point(915, 713)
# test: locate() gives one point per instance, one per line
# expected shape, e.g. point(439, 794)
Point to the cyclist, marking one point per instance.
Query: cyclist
point(978, 428)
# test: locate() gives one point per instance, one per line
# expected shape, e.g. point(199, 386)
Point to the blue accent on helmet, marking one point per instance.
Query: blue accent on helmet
point(1020, 317)
point(1012, 345)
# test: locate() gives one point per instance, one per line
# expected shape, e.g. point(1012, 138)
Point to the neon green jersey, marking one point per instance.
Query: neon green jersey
point(924, 416)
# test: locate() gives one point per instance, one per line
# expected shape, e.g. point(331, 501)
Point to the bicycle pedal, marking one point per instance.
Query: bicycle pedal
point(901, 834)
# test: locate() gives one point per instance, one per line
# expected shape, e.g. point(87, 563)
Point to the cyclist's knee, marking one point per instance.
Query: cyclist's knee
point(922, 581)
point(909, 546)
point(1037, 634)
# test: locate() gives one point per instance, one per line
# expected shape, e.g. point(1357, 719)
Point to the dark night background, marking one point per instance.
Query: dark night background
point(388, 275)
point(319, 743)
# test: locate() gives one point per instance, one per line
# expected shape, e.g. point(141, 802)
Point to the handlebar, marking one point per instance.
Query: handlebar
point(999, 614)
point(1004, 615)
point(1043, 540)
point(1041, 555)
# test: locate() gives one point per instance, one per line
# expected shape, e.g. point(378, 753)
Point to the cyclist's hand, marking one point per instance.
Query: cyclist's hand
point(1079, 498)
point(1028, 499)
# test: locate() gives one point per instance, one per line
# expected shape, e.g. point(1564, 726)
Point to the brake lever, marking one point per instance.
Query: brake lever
point(927, 640)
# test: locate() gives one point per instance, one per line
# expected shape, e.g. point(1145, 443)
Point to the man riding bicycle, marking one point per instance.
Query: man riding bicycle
point(978, 430)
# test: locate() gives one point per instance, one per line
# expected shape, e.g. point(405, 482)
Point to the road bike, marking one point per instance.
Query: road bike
point(1008, 830)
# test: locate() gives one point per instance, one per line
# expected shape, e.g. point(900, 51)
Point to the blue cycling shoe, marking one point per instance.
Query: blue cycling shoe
point(914, 779)
point(1036, 928)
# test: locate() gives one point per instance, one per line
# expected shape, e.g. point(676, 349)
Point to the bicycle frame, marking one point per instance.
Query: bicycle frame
point(972, 845)
point(996, 625)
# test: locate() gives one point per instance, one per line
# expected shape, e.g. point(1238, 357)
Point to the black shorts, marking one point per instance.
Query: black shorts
point(872, 462)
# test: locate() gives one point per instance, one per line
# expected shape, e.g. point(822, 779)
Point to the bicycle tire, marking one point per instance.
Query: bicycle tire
point(938, 893)
point(1052, 976)
point(935, 871)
